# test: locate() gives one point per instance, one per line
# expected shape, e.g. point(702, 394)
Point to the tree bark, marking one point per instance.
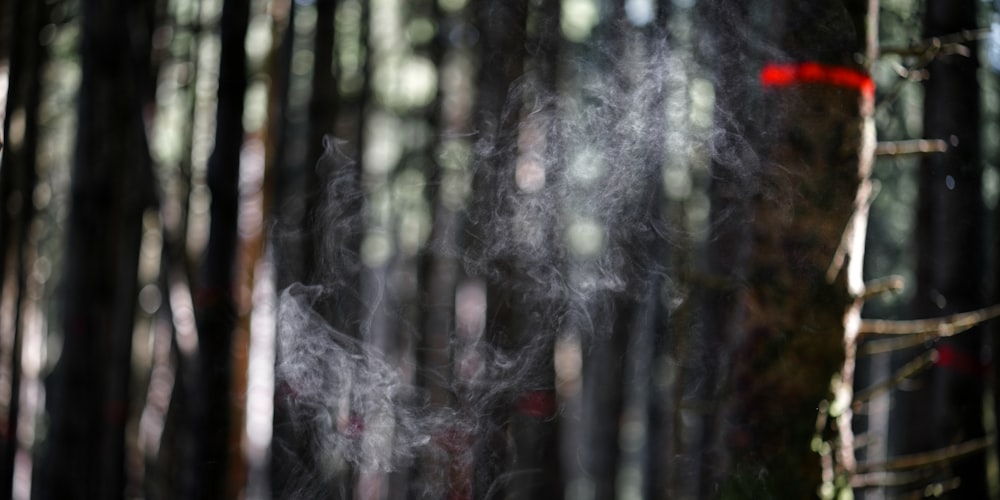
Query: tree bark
point(798, 307)
point(18, 178)
point(214, 304)
point(950, 257)
point(735, 167)
point(503, 27)
point(111, 186)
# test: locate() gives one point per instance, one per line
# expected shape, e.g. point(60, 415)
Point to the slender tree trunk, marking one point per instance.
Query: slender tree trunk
point(170, 469)
point(287, 248)
point(439, 273)
point(18, 178)
point(950, 257)
point(322, 123)
point(534, 428)
point(111, 186)
point(503, 26)
point(214, 304)
point(735, 166)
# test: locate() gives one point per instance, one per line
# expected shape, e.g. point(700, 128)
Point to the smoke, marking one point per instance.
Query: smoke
point(564, 237)
point(347, 408)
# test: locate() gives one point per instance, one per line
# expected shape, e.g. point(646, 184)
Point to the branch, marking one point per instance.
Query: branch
point(938, 44)
point(871, 189)
point(894, 283)
point(894, 344)
point(933, 457)
point(945, 326)
point(883, 479)
point(916, 146)
point(934, 490)
point(928, 50)
point(906, 371)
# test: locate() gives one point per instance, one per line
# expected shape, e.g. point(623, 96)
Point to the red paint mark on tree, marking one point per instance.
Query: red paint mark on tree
point(952, 358)
point(538, 404)
point(353, 426)
point(787, 74)
point(115, 411)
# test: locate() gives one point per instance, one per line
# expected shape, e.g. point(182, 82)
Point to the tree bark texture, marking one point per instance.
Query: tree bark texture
point(18, 179)
point(503, 26)
point(950, 256)
point(214, 303)
point(792, 332)
point(111, 186)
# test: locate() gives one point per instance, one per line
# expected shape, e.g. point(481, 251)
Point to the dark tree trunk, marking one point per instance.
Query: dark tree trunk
point(503, 28)
point(533, 428)
point(792, 336)
point(169, 473)
point(111, 186)
point(950, 257)
point(735, 167)
point(18, 177)
point(214, 304)
point(439, 271)
point(285, 247)
point(322, 124)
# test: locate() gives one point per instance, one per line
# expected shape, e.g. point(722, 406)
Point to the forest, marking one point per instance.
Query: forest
point(484, 249)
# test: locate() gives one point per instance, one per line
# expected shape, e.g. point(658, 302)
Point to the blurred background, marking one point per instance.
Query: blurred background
point(497, 249)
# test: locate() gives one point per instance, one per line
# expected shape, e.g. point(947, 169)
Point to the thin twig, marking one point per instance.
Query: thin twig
point(872, 187)
point(906, 371)
point(936, 489)
point(891, 344)
point(945, 326)
point(895, 478)
point(942, 43)
point(933, 457)
point(894, 283)
point(911, 147)
point(927, 50)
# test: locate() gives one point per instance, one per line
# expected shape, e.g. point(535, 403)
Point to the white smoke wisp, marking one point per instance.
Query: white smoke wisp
point(348, 409)
point(566, 225)
point(345, 397)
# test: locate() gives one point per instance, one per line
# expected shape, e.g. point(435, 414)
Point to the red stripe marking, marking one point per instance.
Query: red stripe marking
point(960, 361)
point(538, 404)
point(787, 74)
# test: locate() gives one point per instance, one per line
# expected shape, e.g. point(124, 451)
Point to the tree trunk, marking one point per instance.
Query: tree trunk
point(735, 167)
point(214, 304)
point(111, 186)
point(503, 26)
point(800, 297)
point(18, 178)
point(950, 257)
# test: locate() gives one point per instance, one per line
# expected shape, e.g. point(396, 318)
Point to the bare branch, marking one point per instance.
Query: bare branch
point(888, 284)
point(938, 44)
point(882, 478)
point(941, 327)
point(933, 457)
point(915, 146)
point(936, 489)
point(926, 51)
point(897, 343)
point(906, 371)
point(868, 191)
